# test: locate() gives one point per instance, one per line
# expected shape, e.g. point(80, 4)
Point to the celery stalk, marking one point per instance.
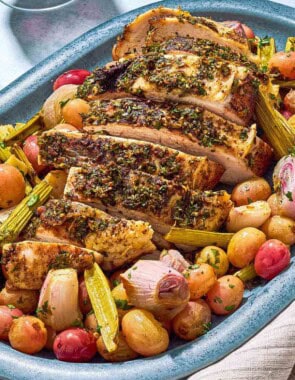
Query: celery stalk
point(31, 171)
point(247, 273)
point(198, 238)
point(103, 304)
point(21, 215)
point(290, 44)
point(276, 128)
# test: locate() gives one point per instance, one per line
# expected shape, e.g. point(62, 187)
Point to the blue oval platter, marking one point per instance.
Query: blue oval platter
point(20, 100)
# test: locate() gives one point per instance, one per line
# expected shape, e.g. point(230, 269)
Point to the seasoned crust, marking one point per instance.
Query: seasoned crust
point(163, 23)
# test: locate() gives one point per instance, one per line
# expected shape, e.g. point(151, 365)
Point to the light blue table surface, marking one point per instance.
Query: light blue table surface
point(27, 38)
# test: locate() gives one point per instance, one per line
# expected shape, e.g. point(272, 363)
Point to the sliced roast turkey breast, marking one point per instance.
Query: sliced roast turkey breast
point(65, 149)
point(186, 128)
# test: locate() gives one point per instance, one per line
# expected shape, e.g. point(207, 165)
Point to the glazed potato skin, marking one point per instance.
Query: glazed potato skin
point(28, 334)
point(244, 245)
point(255, 189)
point(25, 300)
point(121, 354)
point(143, 333)
point(280, 228)
point(251, 215)
point(193, 320)
point(12, 186)
point(214, 256)
point(226, 295)
point(72, 111)
point(200, 278)
point(90, 322)
point(274, 204)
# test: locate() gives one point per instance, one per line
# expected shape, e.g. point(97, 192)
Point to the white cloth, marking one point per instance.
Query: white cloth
point(269, 355)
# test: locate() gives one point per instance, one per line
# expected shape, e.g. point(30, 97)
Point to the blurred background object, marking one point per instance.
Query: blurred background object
point(29, 37)
point(35, 5)
point(26, 38)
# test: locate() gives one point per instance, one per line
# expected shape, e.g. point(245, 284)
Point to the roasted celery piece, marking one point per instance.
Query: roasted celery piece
point(247, 273)
point(103, 305)
point(5, 153)
point(31, 172)
point(18, 164)
point(265, 50)
point(21, 131)
point(278, 131)
point(285, 84)
point(198, 238)
point(290, 44)
point(21, 215)
point(5, 131)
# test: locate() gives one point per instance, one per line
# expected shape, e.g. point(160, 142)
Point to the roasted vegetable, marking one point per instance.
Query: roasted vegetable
point(255, 189)
point(281, 228)
point(154, 286)
point(21, 215)
point(194, 320)
point(200, 279)
point(52, 108)
point(28, 334)
point(198, 238)
point(244, 246)
point(226, 295)
point(25, 300)
point(57, 179)
point(247, 273)
point(284, 184)
point(251, 215)
point(12, 186)
point(273, 257)
point(290, 44)
point(122, 353)
point(266, 49)
point(174, 259)
point(214, 256)
point(143, 333)
point(276, 128)
point(283, 64)
point(58, 303)
point(104, 306)
point(10, 134)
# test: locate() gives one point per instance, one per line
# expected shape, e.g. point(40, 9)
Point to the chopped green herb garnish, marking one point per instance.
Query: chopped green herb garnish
point(217, 300)
point(62, 103)
point(33, 200)
point(77, 323)
point(289, 196)
point(207, 326)
point(229, 308)
point(264, 41)
point(116, 283)
point(44, 309)
point(194, 266)
point(122, 304)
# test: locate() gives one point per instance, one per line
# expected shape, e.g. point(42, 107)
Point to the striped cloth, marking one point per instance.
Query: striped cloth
point(269, 355)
